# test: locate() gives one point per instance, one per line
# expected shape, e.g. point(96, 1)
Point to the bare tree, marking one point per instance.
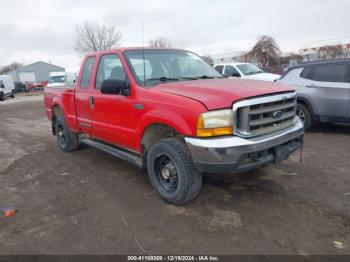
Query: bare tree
point(7, 68)
point(266, 51)
point(162, 42)
point(94, 37)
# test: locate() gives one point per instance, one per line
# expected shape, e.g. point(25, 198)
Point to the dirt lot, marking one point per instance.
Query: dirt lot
point(89, 202)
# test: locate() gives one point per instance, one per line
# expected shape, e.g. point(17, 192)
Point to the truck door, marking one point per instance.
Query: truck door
point(83, 103)
point(112, 119)
point(330, 88)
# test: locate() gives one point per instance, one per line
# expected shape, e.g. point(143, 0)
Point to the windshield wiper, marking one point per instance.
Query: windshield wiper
point(207, 77)
point(163, 79)
point(189, 77)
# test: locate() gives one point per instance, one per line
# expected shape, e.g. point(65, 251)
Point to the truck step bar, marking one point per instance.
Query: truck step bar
point(115, 151)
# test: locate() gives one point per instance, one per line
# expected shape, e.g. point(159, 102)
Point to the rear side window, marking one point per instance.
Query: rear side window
point(219, 69)
point(306, 73)
point(85, 78)
point(331, 73)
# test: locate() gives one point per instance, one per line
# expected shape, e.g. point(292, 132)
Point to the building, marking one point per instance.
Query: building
point(326, 49)
point(36, 72)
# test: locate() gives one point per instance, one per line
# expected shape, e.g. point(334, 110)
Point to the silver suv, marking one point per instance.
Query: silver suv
point(323, 90)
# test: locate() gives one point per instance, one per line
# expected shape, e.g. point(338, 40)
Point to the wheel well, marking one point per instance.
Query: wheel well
point(56, 112)
point(306, 103)
point(155, 132)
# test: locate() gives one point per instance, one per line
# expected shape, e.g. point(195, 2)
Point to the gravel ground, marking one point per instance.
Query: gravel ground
point(88, 202)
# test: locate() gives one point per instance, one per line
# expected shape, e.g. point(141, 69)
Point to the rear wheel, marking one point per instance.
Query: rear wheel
point(67, 140)
point(172, 173)
point(305, 115)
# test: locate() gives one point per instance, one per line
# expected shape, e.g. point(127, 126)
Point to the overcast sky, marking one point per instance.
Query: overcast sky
point(45, 30)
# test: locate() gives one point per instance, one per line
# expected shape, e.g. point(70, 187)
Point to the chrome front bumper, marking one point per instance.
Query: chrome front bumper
point(236, 154)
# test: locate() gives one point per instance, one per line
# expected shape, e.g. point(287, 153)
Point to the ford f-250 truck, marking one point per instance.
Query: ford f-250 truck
point(170, 112)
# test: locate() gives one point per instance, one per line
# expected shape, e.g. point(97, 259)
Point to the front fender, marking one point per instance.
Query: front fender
point(165, 117)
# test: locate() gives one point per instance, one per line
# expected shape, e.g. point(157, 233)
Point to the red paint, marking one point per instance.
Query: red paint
point(178, 105)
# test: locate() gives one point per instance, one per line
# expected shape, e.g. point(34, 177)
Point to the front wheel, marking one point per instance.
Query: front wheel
point(305, 115)
point(172, 173)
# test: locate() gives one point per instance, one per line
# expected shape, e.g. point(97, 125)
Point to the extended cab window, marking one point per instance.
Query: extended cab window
point(85, 78)
point(110, 67)
point(331, 73)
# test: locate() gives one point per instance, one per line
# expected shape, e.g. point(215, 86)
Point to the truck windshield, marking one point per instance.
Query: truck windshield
point(154, 66)
point(249, 69)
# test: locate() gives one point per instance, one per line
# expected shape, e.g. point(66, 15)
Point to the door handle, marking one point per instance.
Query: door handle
point(91, 102)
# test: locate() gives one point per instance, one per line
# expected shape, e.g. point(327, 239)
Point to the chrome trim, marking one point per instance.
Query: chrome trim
point(257, 101)
point(228, 150)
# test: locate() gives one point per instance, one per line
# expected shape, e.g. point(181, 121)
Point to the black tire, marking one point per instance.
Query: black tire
point(186, 181)
point(68, 141)
point(13, 94)
point(305, 115)
point(2, 96)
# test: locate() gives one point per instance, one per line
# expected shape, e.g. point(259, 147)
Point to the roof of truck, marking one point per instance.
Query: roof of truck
point(123, 49)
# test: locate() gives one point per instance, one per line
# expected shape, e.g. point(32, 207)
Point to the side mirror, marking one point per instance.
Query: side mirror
point(111, 86)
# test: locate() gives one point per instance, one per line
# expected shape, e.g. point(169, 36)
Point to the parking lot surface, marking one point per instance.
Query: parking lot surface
point(88, 202)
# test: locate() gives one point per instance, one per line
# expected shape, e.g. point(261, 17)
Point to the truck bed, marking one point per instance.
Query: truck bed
point(64, 98)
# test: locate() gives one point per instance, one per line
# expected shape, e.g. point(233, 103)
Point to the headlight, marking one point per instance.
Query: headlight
point(215, 123)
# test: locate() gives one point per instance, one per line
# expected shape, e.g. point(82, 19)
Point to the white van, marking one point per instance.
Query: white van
point(58, 79)
point(7, 87)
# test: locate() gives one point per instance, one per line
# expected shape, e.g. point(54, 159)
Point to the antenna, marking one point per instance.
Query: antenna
point(143, 56)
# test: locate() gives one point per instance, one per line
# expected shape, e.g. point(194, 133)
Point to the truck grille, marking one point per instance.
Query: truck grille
point(264, 115)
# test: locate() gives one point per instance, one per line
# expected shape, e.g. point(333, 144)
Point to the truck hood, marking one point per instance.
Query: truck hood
point(221, 93)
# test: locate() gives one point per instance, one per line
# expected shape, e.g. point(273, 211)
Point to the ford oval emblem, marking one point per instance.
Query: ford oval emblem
point(277, 114)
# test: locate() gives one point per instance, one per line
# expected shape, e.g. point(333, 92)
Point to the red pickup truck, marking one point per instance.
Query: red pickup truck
point(170, 112)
